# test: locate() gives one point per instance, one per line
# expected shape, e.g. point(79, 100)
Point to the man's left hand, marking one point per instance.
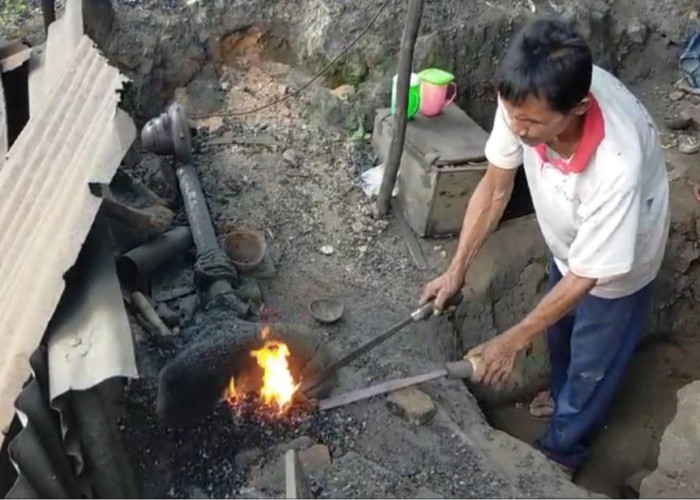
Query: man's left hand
point(495, 359)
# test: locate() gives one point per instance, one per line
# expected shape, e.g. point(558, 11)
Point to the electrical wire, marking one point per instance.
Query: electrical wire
point(318, 75)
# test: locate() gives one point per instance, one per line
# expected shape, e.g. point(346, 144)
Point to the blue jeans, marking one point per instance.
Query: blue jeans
point(589, 350)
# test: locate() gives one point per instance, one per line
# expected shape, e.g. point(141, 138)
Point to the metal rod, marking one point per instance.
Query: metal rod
point(391, 170)
point(375, 390)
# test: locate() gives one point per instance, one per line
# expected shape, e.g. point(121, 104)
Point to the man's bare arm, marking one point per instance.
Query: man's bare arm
point(485, 209)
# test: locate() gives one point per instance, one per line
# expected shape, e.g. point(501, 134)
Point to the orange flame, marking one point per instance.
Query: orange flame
point(278, 384)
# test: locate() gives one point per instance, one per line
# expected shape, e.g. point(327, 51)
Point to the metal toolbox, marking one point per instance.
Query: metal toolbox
point(442, 162)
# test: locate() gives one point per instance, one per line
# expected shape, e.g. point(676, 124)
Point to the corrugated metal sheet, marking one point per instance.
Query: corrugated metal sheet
point(89, 340)
point(37, 452)
point(46, 209)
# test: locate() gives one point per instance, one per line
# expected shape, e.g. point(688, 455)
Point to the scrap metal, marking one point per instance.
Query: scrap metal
point(75, 136)
point(169, 133)
point(140, 262)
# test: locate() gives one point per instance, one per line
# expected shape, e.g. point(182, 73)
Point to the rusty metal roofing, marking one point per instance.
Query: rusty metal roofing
point(76, 137)
point(69, 445)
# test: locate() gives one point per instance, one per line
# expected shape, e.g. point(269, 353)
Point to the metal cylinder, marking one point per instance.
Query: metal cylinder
point(196, 208)
point(141, 261)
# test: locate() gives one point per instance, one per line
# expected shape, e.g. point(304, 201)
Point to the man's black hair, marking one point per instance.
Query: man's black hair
point(548, 60)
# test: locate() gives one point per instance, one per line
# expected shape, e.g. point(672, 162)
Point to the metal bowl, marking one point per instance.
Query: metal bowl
point(326, 310)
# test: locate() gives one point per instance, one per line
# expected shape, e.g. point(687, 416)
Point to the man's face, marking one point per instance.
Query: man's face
point(535, 122)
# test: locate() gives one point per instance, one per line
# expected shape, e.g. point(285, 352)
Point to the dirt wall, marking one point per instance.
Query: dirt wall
point(506, 282)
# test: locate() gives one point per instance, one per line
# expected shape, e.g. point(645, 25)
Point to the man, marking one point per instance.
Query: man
point(597, 177)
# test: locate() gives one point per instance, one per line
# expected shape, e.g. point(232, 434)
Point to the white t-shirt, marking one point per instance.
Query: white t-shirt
point(605, 213)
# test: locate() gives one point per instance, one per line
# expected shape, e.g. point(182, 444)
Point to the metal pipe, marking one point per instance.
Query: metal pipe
point(196, 207)
point(213, 268)
point(141, 261)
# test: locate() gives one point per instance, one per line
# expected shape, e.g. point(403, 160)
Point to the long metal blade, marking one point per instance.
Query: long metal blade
point(375, 390)
point(352, 356)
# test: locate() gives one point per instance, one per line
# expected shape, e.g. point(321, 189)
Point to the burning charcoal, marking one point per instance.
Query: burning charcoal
point(221, 361)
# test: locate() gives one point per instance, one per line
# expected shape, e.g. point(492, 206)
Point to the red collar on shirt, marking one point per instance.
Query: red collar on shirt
point(593, 135)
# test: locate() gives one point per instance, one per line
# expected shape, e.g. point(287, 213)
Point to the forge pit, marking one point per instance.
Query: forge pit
point(291, 171)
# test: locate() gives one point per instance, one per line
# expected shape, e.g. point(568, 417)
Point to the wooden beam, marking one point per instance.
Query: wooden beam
point(391, 169)
point(296, 483)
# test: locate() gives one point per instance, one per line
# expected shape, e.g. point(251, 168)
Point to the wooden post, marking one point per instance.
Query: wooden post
point(391, 169)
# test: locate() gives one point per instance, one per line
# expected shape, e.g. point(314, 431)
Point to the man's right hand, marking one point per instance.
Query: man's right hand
point(443, 288)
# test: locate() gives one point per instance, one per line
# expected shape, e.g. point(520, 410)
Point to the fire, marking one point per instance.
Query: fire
point(278, 385)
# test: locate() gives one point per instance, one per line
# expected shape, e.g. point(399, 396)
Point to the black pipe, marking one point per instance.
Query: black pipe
point(141, 261)
point(196, 208)
point(214, 270)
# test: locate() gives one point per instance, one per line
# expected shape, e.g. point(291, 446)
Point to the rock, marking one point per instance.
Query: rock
point(212, 123)
point(678, 122)
point(343, 92)
point(676, 475)
point(290, 156)
point(676, 95)
point(327, 250)
point(427, 51)
point(315, 459)
point(248, 457)
point(412, 404)
point(424, 492)
point(300, 443)
point(633, 483)
point(689, 146)
point(637, 31)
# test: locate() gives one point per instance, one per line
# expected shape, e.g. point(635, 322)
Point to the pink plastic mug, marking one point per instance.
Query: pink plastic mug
point(433, 98)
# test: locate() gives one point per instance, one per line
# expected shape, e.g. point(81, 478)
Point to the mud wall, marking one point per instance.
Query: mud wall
point(162, 45)
point(506, 281)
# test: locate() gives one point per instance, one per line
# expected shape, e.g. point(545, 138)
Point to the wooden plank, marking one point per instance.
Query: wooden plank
point(295, 479)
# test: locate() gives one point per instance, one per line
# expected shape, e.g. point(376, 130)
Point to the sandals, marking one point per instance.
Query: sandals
point(542, 406)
